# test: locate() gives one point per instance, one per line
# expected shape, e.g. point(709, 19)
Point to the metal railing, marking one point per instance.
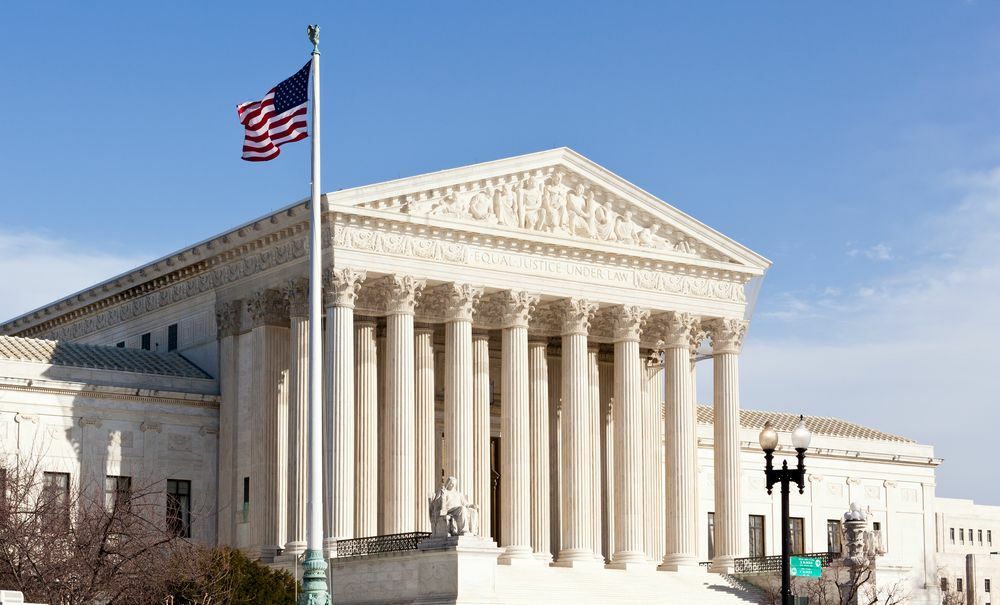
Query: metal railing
point(762, 565)
point(373, 545)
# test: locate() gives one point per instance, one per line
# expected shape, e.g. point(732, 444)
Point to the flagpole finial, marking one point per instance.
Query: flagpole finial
point(313, 33)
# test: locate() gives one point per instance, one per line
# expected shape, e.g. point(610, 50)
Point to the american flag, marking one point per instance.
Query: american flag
point(278, 118)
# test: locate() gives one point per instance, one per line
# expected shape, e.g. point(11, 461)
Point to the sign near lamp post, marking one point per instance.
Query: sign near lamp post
point(769, 442)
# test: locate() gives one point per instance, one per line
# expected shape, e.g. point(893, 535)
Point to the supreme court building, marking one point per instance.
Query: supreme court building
point(530, 326)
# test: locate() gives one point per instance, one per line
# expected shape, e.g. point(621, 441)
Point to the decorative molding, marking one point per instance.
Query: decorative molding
point(342, 285)
point(151, 426)
point(22, 417)
point(296, 292)
point(814, 478)
point(727, 334)
point(889, 483)
point(86, 421)
point(228, 316)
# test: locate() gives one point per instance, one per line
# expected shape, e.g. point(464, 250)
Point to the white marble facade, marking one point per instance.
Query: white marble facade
point(538, 300)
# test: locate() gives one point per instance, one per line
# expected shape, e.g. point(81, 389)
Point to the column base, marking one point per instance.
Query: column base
point(544, 557)
point(578, 558)
point(294, 548)
point(723, 565)
point(517, 555)
point(681, 563)
point(637, 565)
point(329, 547)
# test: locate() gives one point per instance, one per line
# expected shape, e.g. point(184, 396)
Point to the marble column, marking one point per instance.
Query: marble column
point(538, 409)
point(459, 300)
point(680, 425)
point(297, 294)
point(365, 429)
point(727, 340)
point(515, 457)
point(629, 508)
point(554, 360)
point(227, 318)
point(400, 293)
point(593, 418)
point(341, 287)
point(425, 434)
point(576, 548)
point(269, 421)
point(381, 371)
point(657, 461)
point(481, 424)
point(606, 370)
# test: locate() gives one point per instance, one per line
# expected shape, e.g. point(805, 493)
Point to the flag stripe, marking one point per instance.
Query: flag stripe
point(278, 118)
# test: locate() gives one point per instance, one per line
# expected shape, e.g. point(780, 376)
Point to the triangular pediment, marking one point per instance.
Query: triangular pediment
point(558, 194)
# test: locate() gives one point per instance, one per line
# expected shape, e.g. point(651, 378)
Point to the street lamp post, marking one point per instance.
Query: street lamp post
point(769, 442)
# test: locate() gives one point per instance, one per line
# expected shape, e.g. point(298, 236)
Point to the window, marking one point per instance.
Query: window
point(757, 535)
point(121, 344)
point(980, 533)
point(833, 536)
point(879, 535)
point(246, 499)
point(172, 337)
point(986, 585)
point(944, 584)
point(117, 492)
point(989, 537)
point(55, 499)
point(179, 507)
point(146, 341)
point(797, 527)
point(961, 535)
point(711, 535)
point(952, 535)
point(958, 584)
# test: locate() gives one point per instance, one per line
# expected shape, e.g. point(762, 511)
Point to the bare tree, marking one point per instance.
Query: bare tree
point(842, 585)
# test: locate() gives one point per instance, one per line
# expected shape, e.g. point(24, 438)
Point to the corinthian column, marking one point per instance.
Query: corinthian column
point(576, 548)
point(628, 441)
point(481, 429)
point(400, 293)
point(458, 461)
point(681, 444)
point(727, 340)
point(365, 430)
point(593, 418)
point(425, 435)
point(341, 289)
point(227, 317)
point(538, 407)
point(269, 421)
point(515, 451)
point(297, 293)
point(606, 370)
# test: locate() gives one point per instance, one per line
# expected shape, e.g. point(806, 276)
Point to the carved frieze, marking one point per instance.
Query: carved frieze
point(268, 307)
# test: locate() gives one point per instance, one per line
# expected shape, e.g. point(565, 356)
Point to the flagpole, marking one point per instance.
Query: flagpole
point(314, 583)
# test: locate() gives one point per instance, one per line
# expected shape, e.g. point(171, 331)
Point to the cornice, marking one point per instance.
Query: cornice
point(116, 393)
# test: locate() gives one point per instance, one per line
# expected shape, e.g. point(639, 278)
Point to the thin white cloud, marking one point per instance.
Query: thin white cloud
point(36, 269)
point(915, 353)
point(879, 252)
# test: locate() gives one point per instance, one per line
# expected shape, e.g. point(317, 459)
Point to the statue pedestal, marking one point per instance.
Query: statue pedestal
point(457, 569)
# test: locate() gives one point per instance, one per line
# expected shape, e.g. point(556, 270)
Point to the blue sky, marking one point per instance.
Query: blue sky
point(855, 145)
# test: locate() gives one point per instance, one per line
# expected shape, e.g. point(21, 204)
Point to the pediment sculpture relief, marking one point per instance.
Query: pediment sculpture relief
point(546, 203)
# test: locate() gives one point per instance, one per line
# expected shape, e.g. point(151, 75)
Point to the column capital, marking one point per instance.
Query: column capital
point(727, 334)
point(228, 316)
point(268, 307)
point(399, 293)
point(677, 330)
point(511, 308)
point(341, 286)
point(480, 335)
point(575, 315)
point(538, 341)
point(456, 300)
point(627, 321)
point(297, 292)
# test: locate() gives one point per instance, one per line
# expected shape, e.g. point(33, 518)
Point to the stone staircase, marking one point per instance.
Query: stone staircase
point(531, 585)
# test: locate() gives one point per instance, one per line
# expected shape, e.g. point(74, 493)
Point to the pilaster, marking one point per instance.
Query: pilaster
point(297, 294)
point(227, 319)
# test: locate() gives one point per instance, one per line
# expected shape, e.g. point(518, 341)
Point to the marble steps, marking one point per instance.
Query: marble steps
point(525, 585)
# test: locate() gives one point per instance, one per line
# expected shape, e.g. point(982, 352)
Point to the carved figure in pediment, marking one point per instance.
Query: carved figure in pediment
point(554, 201)
point(531, 203)
point(450, 204)
point(625, 228)
point(684, 246)
point(604, 220)
point(650, 237)
point(583, 212)
point(481, 206)
point(505, 205)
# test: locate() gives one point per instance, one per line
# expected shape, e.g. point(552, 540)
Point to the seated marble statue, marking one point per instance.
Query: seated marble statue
point(451, 513)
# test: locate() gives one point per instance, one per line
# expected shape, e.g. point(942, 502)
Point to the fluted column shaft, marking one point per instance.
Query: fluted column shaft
point(481, 430)
point(425, 434)
point(228, 317)
point(515, 466)
point(727, 339)
point(594, 421)
point(681, 446)
point(607, 435)
point(341, 289)
point(538, 404)
point(297, 293)
point(555, 451)
point(269, 421)
point(458, 433)
point(398, 454)
point(577, 446)
point(629, 452)
point(366, 430)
